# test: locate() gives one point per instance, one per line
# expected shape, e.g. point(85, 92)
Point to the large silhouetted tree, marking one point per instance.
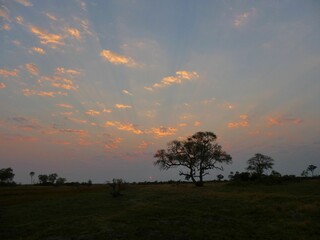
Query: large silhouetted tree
point(6, 175)
point(259, 163)
point(198, 154)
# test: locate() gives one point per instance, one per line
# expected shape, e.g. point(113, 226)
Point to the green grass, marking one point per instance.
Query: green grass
point(215, 211)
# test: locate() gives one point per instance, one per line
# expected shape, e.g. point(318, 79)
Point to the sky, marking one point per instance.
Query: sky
point(92, 89)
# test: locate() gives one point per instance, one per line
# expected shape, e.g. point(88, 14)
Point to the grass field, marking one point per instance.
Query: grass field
point(215, 211)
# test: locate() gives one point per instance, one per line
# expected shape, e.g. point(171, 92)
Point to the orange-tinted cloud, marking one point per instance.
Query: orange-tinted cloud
point(45, 37)
point(64, 105)
point(29, 92)
point(25, 3)
point(74, 33)
point(197, 123)
point(2, 85)
point(59, 82)
point(74, 131)
point(127, 92)
point(278, 121)
point(122, 106)
point(92, 112)
point(32, 68)
point(61, 142)
point(124, 127)
point(17, 138)
point(144, 144)
point(163, 131)
point(177, 79)
point(8, 73)
point(6, 27)
point(4, 13)
point(243, 123)
point(113, 143)
point(38, 50)
point(61, 70)
point(117, 59)
point(77, 120)
point(19, 20)
point(243, 18)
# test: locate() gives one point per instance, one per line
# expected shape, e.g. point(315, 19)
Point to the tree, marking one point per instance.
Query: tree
point(311, 169)
point(52, 178)
point(43, 179)
point(31, 175)
point(198, 153)
point(259, 163)
point(60, 181)
point(220, 177)
point(6, 175)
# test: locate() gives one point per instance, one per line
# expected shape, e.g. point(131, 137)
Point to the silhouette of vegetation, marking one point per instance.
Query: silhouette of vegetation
point(51, 179)
point(6, 176)
point(310, 169)
point(31, 175)
point(199, 153)
point(117, 185)
point(258, 164)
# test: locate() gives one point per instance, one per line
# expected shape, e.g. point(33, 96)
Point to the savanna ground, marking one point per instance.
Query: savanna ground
point(215, 211)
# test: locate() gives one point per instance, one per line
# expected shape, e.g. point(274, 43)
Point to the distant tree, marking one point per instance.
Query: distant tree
point(6, 175)
point(220, 177)
point(198, 154)
point(304, 173)
point(60, 181)
point(259, 163)
point(311, 169)
point(43, 179)
point(52, 178)
point(31, 175)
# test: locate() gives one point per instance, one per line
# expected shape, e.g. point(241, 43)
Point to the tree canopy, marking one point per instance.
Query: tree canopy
point(198, 154)
point(6, 175)
point(259, 164)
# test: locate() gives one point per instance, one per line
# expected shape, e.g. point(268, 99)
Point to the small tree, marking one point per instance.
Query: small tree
point(311, 169)
point(259, 163)
point(60, 181)
point(198, 154)
point(52, 178)
point(220, 177)
point(31, 175)
point(43, 179)
point(6, 176)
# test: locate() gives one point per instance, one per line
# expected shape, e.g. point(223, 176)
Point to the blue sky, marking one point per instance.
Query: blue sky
point(91, 89)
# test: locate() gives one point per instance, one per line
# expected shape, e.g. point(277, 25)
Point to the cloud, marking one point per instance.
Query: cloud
point(19, 20)
point(6, 27)
point(32, 68)
point(107, 110)
point(244, 122)
point(113, 143)
point(25, 3)
point(180, 77)
point(73, 131)
point(122, 106)
point(74, 33)
point(92, 112)
point(45, 37)
point(17, 138)
point(24, 124)
point(64, 105)
point(117, 59)
point(163, 131)
point(127, 92)
point(61, 142)
point(51, 16)
point(27, 92)
point(4, 13)
point(197, 123)
point(124, 127)
point(2, 85)
point(61, 70)
point(278, 121)
point(243, 18)
point(38, 50)
point(59, 82)
point(77, 120)
point(144, 144)
point(8, 73)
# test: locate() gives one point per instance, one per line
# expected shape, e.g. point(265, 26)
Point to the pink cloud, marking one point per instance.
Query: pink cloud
point(2, 85)
point(8, 73)
point(124, 127)
point(27, 92)
point(278, 121)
